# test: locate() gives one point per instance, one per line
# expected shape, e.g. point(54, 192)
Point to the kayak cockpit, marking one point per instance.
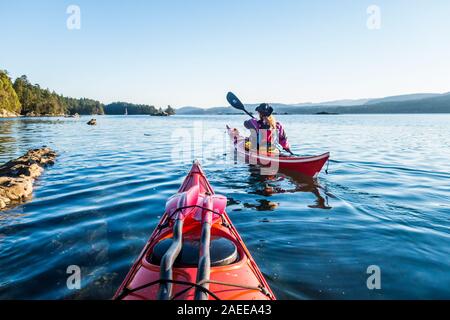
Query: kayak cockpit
point(222, 250)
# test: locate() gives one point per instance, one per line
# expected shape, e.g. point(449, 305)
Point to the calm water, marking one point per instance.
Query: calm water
point(385, 203)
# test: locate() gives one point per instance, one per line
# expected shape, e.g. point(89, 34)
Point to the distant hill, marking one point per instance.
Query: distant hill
point(410, 103)
point(190, 110)
point(346, 102)
point(200, 111)
point(406, 97)
point(434, 104)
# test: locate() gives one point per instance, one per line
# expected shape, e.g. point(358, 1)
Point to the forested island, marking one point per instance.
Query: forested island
point(118, 108)
point(21, 97)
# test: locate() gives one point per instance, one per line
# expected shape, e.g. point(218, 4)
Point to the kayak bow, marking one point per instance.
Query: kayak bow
point(195, 253)
point(308, 166)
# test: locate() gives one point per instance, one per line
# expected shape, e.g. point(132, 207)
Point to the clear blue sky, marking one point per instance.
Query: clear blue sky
point(191, 52)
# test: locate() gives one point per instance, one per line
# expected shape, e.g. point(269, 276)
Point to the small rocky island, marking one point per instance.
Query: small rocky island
point(160, 114)
point(163, 113)
point(325, 113)
point(17, 176)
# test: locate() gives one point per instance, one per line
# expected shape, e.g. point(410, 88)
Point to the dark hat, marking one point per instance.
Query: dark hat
point(265, 109)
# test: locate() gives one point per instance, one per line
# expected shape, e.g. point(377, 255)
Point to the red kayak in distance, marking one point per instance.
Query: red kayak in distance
point(195, 252)
point(308, 166)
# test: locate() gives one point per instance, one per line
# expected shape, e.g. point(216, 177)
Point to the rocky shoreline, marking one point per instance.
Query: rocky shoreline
point(17, 176)
point(8, 114)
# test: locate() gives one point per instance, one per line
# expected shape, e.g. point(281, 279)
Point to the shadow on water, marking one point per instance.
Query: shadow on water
point(267, 186)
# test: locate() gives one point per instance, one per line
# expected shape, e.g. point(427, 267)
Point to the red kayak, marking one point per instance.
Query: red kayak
point(195, 253)
point(308, 166)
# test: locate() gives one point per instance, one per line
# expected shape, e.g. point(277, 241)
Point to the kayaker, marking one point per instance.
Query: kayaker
point(267, 132)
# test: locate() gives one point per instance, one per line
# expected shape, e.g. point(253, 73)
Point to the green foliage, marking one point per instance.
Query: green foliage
point(39, 101)
point(83, 106)
point(30, 99)
point(8, 97)
point(118, 108)
point(170, 111)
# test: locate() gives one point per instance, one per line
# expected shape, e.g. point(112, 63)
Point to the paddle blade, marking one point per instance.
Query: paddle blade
point(235, 102)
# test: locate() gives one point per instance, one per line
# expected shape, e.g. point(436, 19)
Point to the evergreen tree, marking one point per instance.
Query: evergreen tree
point(8, 97)
point(43, 102)
point(170, 111)
point(118, 108)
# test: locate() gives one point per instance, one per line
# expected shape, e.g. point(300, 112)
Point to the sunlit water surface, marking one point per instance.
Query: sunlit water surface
point(385, 202)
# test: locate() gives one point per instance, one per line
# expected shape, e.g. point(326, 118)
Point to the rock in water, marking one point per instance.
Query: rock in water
point(92, 122)
point(17, 176)
point(15, 189)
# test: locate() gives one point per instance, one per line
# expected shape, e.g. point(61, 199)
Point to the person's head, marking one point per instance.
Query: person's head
point(265, 113)
point(264, 110)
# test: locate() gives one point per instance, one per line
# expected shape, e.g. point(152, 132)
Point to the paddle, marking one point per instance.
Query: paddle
point(237, 104)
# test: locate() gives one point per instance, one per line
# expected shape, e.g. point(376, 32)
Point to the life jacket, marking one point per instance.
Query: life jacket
point(262, 137)
point(265, 138)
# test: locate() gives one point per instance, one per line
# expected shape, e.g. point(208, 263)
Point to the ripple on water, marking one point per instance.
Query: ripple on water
point(384, 203)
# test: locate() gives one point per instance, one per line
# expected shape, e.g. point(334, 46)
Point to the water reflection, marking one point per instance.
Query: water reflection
point(7, 140)
point(283, 183)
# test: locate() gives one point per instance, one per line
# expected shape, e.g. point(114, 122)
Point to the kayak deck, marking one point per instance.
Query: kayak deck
point(233, 273)
point(309, 166)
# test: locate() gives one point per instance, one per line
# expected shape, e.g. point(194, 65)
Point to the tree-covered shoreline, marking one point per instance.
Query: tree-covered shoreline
point(9, 101)
point(120, 108)
point(22, 98)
